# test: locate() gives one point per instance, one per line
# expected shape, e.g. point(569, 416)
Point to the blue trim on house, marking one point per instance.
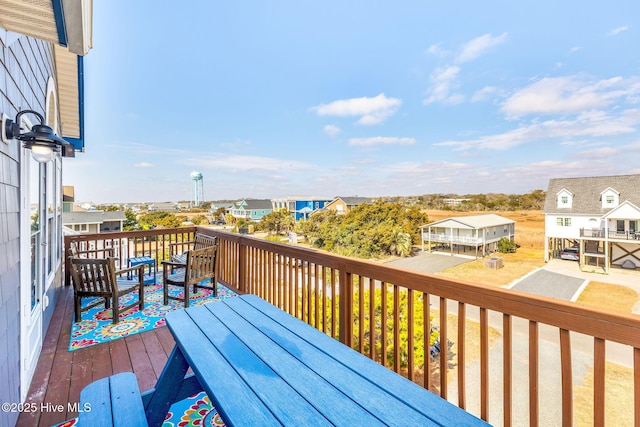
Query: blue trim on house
point(78, 143)
point(60, 25)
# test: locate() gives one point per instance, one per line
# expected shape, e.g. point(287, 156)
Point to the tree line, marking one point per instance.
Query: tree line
point(368, 230)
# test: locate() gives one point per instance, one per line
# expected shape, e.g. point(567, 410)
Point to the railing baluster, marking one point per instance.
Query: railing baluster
point(316, 270)
point(410, 335)
point(567, 378)
point(361, 325)
point(372, 320)
point(396, 328)
point(533, 374)
point(297, 299)
point(383, 323)
point(305, 292)
point(599, 358)
point(426, 331)
point(444, 348)
point(484, 364)
point(346, 307)
point(507, 368)
point(323, 282)
point(333, 303)
point(290, 287)
point(462, 320)
point(272, 291)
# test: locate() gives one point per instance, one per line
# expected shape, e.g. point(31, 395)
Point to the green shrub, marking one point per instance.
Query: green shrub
point(506, 246)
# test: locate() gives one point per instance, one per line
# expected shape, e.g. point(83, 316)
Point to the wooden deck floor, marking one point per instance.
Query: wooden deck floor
point(60, 375)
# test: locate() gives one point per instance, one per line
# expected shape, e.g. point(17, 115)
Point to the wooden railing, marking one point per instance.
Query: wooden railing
point(351, 300)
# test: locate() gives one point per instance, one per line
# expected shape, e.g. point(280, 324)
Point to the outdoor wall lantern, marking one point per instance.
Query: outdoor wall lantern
point(41, 140)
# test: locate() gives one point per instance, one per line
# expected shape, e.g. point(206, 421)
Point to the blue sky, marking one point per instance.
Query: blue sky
point(368, 98)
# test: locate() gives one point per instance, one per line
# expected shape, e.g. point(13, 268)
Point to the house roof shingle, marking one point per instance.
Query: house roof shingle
point(472, 221)
point(92, 217)
point(252, 204)
point(587, 192)
point(355, 200)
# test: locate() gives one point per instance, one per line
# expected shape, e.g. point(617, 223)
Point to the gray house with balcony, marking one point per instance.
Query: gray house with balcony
point(599, 215)
point(476, 235)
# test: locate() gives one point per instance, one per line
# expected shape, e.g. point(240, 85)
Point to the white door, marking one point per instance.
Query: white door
point(32, 274)
point(41, 243)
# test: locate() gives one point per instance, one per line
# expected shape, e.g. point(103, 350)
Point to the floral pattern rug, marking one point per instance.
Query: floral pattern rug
point(193, 411)
point(97, 326)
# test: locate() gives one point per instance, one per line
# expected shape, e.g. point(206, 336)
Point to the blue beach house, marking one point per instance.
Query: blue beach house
point(301, 207)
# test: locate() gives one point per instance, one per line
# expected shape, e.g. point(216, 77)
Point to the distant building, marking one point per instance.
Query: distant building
point(600, 215)
point(252, 209)
point(455, 202)
point(477, 234)
point(300, 207)
point(342, 205)
point(163, 206)
point(94, 221)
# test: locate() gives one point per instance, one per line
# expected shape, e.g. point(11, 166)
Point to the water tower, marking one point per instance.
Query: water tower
point(197, 193)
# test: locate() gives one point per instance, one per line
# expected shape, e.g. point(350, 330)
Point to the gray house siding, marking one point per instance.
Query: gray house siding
point(25, 67)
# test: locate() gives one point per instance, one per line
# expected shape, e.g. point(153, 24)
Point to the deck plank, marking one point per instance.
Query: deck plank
point(155, 352)
point(57, 394)
point(101, 366)
point(60, 375)
point(81, 376)
point(120, 360)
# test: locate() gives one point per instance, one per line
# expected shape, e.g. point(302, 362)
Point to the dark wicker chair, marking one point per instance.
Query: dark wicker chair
point(98, 277)
point(200, 265)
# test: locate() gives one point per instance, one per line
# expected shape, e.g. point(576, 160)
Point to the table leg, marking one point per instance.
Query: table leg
point(167, 387)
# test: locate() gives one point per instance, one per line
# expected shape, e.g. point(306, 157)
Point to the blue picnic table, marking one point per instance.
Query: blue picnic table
point(261, 366)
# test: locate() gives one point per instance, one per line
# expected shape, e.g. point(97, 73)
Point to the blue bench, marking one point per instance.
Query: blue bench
point(113, 401)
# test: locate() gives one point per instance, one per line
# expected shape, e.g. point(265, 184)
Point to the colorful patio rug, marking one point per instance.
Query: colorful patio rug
point(97, 326)
point(193, 411)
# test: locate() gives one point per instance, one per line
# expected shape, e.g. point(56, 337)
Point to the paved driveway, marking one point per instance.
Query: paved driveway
point(547, 283)
point(429, 263)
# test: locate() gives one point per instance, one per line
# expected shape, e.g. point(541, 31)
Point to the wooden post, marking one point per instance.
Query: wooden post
point(346, 307)
point(242, 267)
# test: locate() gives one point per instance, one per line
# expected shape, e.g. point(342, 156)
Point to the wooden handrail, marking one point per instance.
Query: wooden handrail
point(337, 295)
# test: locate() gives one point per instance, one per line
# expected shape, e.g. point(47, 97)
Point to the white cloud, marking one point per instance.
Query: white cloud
point(142, 165)
point(570, 94)
point(484, 93)
point(618, 30)
point(478, 46)
point(436, 49)
point(381, 140)
point(442, 84)
point(598, 153)
point(587, 125)
point(371, 110)
point(332, 130)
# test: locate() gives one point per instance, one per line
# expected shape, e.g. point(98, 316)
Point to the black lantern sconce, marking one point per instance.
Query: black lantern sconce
point(41, 140)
